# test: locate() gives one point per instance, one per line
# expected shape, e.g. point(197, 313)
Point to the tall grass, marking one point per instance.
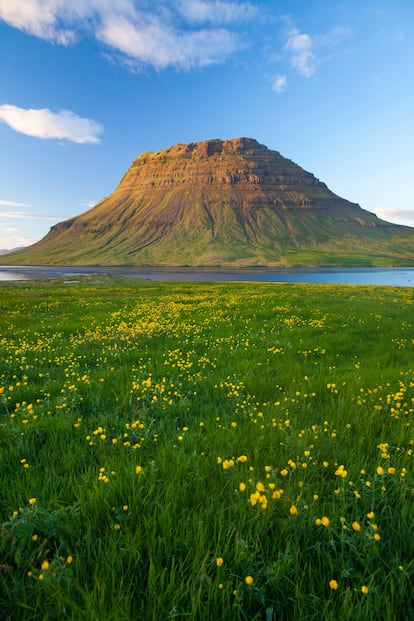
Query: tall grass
point(206, 451)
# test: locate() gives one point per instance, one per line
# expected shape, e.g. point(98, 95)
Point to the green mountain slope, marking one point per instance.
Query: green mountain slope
point(213, 203)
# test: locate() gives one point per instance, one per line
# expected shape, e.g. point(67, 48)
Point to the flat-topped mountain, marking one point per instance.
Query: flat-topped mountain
point(222, 202)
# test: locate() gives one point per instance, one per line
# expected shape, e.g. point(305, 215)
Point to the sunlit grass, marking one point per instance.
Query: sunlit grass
point(206, 451)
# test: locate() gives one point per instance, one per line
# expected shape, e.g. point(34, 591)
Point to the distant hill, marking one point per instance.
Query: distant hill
point(5, 251)
point(222, 203)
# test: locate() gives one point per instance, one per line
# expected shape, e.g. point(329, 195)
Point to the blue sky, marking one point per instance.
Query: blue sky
point(87, 85)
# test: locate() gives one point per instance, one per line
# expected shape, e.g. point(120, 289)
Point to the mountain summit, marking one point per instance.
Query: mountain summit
point(222, 203)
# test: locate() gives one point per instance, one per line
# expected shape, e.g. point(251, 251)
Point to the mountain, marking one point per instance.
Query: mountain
point(8, 251)
point(222, 202)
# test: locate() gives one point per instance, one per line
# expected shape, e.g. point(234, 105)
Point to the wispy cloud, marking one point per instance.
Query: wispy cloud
point(21, 215)
point(159, 44)
point(216, 11)
point(306, 52)
point(11, 237)
point(279, 84)
point(300, 47)
point(42, 123)
point(5, 203)
point(183, 33)
point(405, 215)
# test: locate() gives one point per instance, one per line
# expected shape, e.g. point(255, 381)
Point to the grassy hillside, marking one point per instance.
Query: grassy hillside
point(221, 203)
point(221, 451)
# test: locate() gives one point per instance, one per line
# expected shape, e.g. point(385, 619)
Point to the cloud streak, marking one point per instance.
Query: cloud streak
point(22, 215)
point(184, 34)
point(397, 214)
point(5, 203)
point(42, 123)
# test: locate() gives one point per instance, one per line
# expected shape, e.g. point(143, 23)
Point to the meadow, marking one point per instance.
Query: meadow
point(206, 451)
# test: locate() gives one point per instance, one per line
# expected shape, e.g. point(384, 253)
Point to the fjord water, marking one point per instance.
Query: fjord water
point(393, 277)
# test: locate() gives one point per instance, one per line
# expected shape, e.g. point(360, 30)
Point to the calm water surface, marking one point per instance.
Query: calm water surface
point(395, 277)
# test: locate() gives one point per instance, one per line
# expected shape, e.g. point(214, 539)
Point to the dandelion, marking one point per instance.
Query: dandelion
point(69, 559)
point(35, 537)
point(377, 537)
point(138, 469)
point(356, 526)
point(371, 515)
point(364, 590)
point(242, 487)
point(242, 459)
point(32, 501)
point(284, 472)
point(293, 510)
point(380, 471)
point(44, 565)
point(219, 561)
point(325, 521)
point(249, 580)
point(333, 585)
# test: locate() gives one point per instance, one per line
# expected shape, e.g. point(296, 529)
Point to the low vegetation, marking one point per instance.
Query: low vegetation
point(206, 451)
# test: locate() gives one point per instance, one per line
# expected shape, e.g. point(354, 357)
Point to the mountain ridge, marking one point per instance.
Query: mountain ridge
point(222, 203)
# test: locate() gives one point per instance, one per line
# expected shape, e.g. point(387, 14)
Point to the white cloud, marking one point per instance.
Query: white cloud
point(279, 84)
point(400, 216)
point(215, 11)
point(160, 45)
point(5, 203)
point(300, 47)
point(164, 33)
point(42, 123)
point(14, 238)
point(21, 215)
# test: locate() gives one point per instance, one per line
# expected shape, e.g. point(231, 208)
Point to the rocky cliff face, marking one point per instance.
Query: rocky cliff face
point(218, 202)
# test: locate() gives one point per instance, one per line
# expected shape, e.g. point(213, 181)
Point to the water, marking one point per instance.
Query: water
point(394, 276)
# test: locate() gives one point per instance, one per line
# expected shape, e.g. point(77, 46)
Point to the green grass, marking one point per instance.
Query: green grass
point(161, 442)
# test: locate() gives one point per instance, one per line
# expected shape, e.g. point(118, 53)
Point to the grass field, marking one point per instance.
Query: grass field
point(206, 451)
